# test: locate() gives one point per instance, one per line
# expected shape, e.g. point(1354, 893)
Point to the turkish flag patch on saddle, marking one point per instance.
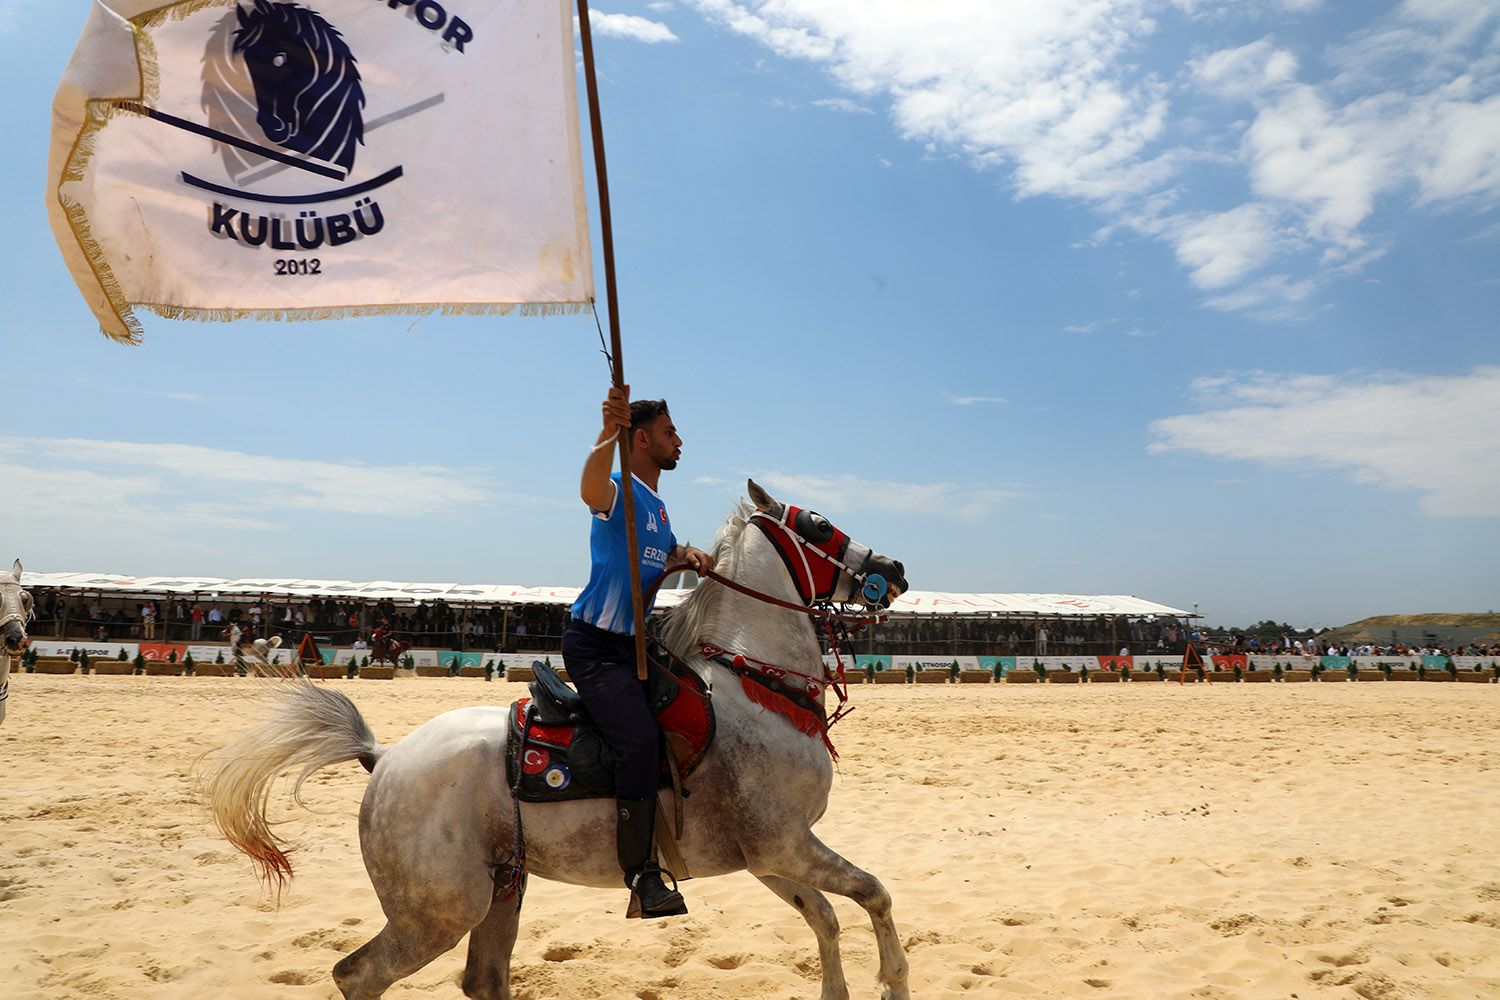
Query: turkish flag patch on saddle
point(555, 751)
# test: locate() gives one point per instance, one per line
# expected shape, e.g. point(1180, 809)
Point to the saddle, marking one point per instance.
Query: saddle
point(555, 751)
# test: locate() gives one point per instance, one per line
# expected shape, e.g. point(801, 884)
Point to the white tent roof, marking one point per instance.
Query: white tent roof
point(917, 602)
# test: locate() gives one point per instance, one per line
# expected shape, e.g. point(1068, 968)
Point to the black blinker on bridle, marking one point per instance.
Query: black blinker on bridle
point(813, 526)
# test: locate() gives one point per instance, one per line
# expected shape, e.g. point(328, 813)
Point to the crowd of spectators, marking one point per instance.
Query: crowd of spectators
point(429, 624)
point(1289, 645)
point(971, 635)
point(511, 628)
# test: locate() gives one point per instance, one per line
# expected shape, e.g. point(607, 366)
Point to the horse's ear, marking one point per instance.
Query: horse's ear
point(17, 570)
point(244, 18)
point(762, 500)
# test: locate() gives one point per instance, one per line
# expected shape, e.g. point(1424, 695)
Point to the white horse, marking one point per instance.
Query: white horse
point(15, 612)
point(438, 818)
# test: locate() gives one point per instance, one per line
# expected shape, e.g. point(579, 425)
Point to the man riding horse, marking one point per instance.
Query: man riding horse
point(598, 646)
point(385, 647)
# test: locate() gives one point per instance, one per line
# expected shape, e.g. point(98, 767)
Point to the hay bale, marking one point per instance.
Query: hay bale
point(471, 671)
point(431, 670)
point(932, 677)
point(1440, 676)
point(52, 665)
point(523, 674)
point(1145, 677)
point(890, 677)
point(975, 677)
point(1472, 677)
point(113, 668)
point(854, 676)
point(1295, 676)
point(1258, 676)
point(1105, 677)
point(1022, 677)
point(378, 672)
point(213, 669)
point(163, 668)
point(1063, 677)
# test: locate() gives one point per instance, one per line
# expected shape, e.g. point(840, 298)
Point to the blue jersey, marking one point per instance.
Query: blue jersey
point(605, 602)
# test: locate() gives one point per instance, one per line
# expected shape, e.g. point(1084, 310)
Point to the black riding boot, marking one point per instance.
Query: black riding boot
point(636, 823)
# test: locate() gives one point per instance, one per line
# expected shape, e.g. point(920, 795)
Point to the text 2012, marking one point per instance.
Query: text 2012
point(296, 266)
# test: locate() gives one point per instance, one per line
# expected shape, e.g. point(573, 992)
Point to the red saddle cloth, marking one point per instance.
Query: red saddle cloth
point(553, 763)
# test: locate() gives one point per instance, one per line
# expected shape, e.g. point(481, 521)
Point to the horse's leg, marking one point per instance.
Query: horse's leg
point(420, 926)
point(808, 860)
point(818, 913)
point(399, 949)
point(426, 827)
point(487, 969)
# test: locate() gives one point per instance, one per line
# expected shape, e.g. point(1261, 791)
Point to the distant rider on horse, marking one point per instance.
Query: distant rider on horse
point(598, 648)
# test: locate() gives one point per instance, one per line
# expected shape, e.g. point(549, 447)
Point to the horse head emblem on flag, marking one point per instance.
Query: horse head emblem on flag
point(307, 89)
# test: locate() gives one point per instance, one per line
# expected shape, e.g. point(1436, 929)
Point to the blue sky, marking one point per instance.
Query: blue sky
point(1188, 300)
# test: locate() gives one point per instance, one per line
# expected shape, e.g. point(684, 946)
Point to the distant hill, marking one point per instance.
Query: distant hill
point(1487, 621)
point(1444, 628)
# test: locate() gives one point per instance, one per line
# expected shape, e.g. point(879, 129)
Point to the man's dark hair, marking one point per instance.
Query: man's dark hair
point(644, 411)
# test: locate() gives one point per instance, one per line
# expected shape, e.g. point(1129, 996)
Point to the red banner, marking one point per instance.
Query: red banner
point(1228, 661)
point(1116, 662)
point(161, 651)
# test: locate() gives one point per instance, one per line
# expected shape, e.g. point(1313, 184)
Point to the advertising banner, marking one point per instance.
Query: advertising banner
point(1005, 663)
point(96, 650)
point(901, 662)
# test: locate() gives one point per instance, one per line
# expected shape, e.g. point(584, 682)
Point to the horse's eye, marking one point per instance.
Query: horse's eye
point(279, 59)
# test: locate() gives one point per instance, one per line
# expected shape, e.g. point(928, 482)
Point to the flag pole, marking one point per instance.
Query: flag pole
point(606, 232)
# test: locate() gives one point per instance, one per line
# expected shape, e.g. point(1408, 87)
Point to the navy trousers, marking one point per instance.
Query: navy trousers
point(601, 665)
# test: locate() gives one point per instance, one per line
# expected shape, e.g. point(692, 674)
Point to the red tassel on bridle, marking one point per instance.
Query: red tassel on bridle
point(804, 720)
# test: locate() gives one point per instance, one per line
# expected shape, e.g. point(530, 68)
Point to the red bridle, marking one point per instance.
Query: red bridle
point(816, 579)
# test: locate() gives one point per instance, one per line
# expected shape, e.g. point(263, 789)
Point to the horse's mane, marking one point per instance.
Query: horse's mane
point(698, 614)
point(330, 124)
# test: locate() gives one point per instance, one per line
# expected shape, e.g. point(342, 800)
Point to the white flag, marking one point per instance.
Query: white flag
point(213, 159)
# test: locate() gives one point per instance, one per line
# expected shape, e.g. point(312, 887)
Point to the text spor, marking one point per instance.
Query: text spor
point(431, 15)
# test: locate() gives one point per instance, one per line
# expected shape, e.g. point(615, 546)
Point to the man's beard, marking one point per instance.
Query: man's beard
point(666, 464)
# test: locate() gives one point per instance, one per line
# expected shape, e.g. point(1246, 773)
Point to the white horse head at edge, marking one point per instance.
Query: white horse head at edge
point(15, 611)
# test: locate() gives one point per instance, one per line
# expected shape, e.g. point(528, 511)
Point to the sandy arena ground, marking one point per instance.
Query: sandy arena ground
point(1125, 841)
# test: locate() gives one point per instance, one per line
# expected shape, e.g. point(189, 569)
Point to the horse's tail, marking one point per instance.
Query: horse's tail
point(312, 727)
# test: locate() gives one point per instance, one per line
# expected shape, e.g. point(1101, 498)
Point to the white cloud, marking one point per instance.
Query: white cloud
point(1222, 248)
point(630, 26)
point(162, 485)
point(1035, 87)
point(1246, 72)
point(1330, 163)
point(1432, 434)
point(843, 104)
point(847, 493)
point(971, 400)
point(1462, 159)
point(1276, 295)
point(1061, 97)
